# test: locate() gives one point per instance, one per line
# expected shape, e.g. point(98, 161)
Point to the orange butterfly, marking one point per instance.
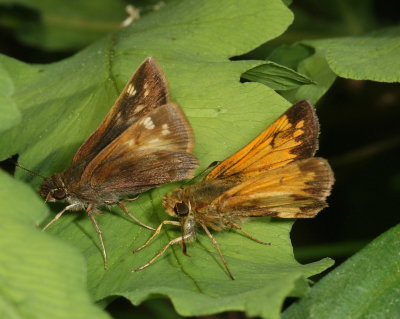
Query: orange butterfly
point(274, 175)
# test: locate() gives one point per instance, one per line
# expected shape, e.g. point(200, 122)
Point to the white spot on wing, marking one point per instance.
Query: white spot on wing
point(139, 108)
point(165, 129)
point(148, 123)
point(131, 89)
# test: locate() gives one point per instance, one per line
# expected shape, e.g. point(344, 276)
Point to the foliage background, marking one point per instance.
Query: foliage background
point(360, 138)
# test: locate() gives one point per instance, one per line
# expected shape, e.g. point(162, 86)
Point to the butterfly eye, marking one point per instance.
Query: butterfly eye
point(59, 194)
point(181, 209)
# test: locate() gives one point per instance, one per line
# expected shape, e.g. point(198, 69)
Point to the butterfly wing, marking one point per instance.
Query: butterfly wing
point(155, 149)
point(293, 136)
point(297, 190)
point(145, 91)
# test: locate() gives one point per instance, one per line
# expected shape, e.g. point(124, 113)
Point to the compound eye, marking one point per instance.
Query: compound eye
point(181, 209)
point(59, 194)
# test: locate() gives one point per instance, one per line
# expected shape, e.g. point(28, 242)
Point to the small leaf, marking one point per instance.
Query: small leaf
point(276, 76)
point(364, 286)
point(316, 68)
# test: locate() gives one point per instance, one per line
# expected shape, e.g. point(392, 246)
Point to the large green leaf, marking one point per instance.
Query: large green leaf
point(365, 286)
point(9, 113)
point(41, 277)
point(373, 56)
point(63, 102)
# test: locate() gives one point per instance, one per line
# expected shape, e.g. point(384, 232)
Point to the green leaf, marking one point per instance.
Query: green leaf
point(9, 113)
point(61, 25)
point(364, 286)
point(63, 103)
point(276, 76)
point(373, 56)
point(41, 277)
point(316, 68)
point(291, 56)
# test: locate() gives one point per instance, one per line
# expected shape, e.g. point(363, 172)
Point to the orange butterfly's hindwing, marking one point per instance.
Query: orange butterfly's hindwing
point(297, 190)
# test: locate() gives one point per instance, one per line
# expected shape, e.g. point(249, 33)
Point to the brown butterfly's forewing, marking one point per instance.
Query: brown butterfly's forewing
point(274, 175)
point(144, 141)
point(146, 90)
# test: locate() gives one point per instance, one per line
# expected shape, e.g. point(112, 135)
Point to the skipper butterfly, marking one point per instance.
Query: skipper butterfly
point(274, 175)
point(144, 141)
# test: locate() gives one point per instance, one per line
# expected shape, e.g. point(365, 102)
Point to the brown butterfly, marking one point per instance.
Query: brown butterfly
point(144, 141)
point(274, 175)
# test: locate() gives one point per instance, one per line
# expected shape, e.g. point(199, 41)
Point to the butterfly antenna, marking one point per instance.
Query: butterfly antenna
point(212, 165)
point(28, 170)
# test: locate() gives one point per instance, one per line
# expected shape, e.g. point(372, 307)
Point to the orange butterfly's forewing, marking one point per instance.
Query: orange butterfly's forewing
point(291, 137)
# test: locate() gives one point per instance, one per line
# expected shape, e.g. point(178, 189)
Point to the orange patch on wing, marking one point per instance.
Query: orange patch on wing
point(291, 137)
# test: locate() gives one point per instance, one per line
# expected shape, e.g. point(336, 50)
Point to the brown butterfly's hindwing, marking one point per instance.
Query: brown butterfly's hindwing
point(155, 150)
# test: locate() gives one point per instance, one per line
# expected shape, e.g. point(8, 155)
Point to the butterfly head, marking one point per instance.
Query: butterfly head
point(178, 205)
point(53, 189)
point(175, 204)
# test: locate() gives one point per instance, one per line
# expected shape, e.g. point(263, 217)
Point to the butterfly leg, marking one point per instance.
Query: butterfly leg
point(248, 235)
point(157, 232)
point(58, 216)
point(162, 251)
point(184, 248)
point(90, 211)
point(125, 210)
point(216, 245)
point(132, 199)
